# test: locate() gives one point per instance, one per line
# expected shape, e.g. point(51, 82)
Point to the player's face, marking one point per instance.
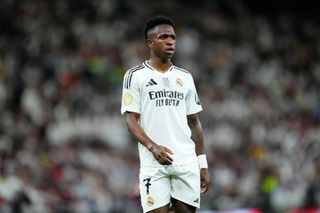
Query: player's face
point(162, 41)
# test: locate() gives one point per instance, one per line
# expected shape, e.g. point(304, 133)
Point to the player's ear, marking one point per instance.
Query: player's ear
point(149, 42)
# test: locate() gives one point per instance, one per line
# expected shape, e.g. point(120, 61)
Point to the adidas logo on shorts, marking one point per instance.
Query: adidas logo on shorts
point(151, 83)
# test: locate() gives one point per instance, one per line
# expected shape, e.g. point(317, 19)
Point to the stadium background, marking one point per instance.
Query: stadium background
point(64, 146)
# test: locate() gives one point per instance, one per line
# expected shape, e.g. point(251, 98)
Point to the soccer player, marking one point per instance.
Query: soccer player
point(160, 105)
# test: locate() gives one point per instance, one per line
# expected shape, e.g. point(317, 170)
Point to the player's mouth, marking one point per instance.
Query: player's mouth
point(170, 50)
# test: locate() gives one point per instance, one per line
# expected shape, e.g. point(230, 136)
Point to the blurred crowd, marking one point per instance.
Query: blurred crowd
point(64, 146)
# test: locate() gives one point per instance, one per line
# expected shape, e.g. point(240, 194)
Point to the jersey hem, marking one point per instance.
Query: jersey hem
point(156, 164)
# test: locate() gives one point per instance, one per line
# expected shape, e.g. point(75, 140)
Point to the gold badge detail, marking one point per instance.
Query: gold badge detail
point(179, 82)
point(150, 201)
point(127, 98)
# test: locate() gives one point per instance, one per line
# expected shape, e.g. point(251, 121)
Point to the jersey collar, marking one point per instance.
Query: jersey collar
point(146, 63)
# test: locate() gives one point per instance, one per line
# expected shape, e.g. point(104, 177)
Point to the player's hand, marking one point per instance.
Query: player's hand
point(204, 180)
point(161, 154)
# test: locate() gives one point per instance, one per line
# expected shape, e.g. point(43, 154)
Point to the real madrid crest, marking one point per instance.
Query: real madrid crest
point(150, 200)
point(166, 82)
point(179, 82)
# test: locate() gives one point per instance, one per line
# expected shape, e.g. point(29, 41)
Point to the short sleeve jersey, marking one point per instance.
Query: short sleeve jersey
point(163, 101)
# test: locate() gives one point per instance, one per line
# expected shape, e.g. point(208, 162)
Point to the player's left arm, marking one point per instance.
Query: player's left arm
point(197, 137)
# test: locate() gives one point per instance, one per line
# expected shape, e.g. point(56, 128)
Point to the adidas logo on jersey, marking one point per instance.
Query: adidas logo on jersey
point(151, 83)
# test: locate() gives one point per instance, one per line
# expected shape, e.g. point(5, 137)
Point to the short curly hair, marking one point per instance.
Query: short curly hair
point(155, 21)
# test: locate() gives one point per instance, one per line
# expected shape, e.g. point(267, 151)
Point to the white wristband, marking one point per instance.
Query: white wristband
point(202, 161)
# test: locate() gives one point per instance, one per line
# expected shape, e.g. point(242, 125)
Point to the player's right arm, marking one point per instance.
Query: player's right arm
point(160, 153)
point(131, 108)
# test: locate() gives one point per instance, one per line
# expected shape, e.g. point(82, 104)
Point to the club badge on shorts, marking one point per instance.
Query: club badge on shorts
point(127, 98)
point(150, 201)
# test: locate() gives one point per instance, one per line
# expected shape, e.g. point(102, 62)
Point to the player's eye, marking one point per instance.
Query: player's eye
point(163, 37)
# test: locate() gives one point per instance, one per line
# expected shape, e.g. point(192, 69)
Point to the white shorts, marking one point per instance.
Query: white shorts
point(159, 183)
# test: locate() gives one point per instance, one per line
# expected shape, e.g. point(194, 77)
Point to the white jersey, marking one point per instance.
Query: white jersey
point(163, 101)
